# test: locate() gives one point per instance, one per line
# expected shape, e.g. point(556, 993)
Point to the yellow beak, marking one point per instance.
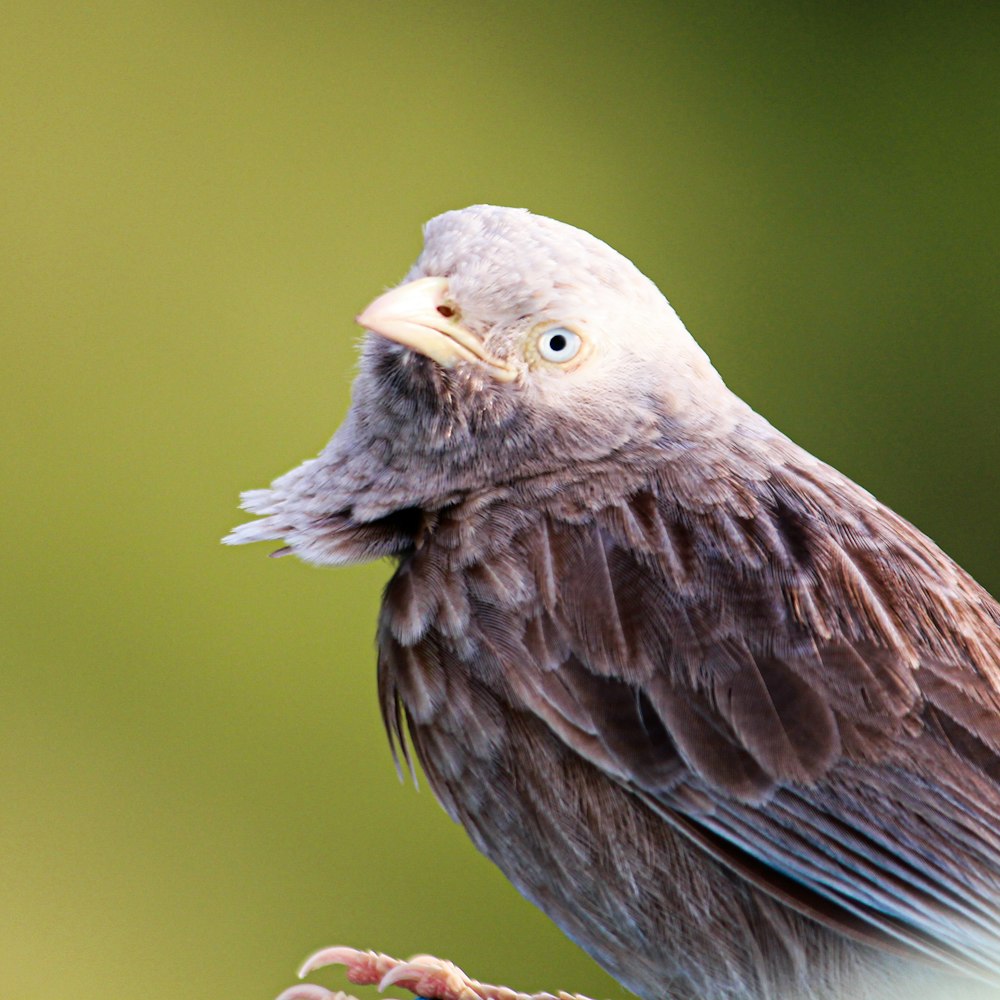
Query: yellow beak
point(410, 315)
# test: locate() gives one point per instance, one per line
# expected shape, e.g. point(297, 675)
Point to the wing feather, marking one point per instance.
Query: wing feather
point(802, 684)
point(823, 750)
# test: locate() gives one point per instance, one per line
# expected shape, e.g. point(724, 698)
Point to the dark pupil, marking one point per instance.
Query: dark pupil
point(557, 342)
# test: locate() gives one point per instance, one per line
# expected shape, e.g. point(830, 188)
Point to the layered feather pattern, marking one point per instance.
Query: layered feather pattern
point(805, 689)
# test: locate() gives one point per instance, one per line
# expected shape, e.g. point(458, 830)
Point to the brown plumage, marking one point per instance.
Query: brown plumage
point(733, 724)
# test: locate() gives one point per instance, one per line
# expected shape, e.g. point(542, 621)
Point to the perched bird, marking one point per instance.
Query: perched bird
point(732, 723)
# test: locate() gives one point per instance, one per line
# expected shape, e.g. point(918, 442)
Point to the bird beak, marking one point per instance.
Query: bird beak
point(412, 315)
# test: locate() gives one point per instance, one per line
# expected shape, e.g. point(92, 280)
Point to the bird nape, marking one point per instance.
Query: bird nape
point(730, 722)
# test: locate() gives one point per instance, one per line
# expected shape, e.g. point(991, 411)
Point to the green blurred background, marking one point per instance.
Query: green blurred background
point(197, 198)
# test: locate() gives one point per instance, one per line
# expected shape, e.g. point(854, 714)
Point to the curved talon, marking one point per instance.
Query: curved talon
point(415, 973)
point(428, 976)
point(334, 955)
point(393, 976)
point(365, 968)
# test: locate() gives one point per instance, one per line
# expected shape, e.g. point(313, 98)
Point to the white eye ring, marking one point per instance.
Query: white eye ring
point(559, 345)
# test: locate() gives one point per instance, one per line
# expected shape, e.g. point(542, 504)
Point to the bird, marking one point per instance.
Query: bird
point(731, 722)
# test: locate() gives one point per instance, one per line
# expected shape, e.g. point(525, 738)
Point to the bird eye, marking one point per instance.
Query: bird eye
point(557, 344)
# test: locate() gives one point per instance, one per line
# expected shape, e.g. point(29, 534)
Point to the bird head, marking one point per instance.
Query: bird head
point(534, 331)
point(517, 349)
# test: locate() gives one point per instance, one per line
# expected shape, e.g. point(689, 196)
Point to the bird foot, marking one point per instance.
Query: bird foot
point(428, 977)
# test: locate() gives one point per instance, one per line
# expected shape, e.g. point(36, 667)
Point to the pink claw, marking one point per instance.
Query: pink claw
point(429, 977)
point(366, 968)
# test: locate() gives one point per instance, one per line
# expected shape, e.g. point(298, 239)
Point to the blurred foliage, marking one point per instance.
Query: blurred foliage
point(196, 199)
